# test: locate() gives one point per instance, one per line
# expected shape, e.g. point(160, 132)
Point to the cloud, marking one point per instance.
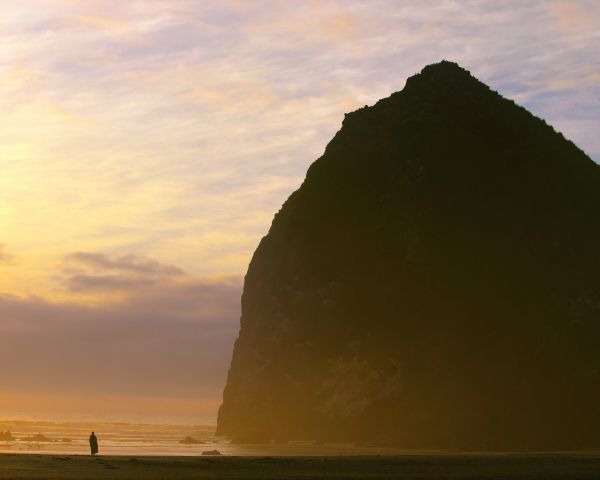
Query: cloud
point(156, 334)
point(126, 263)
point(5, 256)
point(571, 14)
point(118, 29)
point(89, 272)
point(172, 340)
point(103, 283)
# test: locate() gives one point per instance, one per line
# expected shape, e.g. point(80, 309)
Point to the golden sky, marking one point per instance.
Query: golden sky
point(146, 145)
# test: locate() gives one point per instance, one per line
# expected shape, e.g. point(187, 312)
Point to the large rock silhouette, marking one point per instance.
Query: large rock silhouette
point(434, 282)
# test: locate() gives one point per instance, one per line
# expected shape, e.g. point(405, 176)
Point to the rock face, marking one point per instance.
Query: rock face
point(434, 282)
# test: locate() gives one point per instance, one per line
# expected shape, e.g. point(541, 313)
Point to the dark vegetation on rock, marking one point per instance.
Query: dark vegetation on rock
point(211, 452)
point(190, 441)
point(434, 282)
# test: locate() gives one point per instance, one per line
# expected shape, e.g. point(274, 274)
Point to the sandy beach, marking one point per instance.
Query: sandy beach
point(572, 466)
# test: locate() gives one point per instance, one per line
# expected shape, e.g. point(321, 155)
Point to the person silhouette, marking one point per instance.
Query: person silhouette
point(93, 443)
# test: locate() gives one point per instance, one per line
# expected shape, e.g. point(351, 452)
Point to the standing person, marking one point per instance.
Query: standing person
point(93, 443)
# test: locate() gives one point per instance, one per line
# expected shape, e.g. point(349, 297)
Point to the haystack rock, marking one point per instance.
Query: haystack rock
point(434, 282)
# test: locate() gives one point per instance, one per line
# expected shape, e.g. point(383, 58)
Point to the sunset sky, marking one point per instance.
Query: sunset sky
point(146, 145)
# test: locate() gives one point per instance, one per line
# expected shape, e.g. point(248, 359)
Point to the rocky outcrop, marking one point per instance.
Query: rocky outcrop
point(434, 282)
point(188, 440)
point(6, 436)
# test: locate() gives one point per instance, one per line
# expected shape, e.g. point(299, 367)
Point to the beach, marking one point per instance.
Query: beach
point(156, 451)
point(548, 466)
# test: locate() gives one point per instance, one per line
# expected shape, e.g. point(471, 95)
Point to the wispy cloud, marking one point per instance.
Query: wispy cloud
point(5, 256)
point(107, 283)
point(126, 263)
point(161, 127)
point(574, 14)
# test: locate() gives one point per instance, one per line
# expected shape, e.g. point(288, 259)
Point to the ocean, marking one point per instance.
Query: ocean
point(135, 439)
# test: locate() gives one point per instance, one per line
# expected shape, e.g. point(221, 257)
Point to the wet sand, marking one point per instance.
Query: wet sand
point(571, 466)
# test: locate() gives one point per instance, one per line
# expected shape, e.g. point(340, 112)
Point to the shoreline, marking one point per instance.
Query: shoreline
point(547, 465)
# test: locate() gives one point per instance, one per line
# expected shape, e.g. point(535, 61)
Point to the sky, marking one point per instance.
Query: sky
point(146, 145)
